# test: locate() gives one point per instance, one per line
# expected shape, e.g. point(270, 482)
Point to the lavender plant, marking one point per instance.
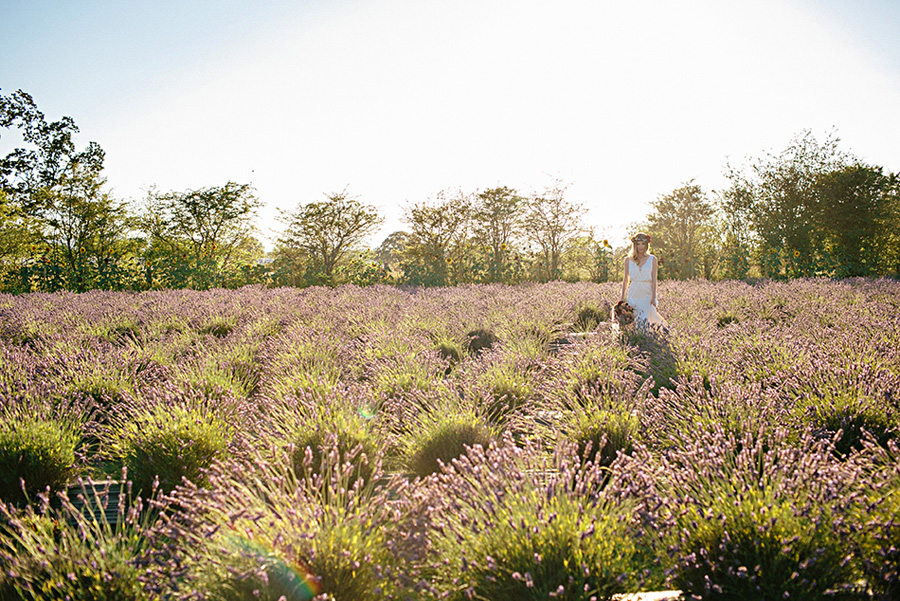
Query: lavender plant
point(72, 551)
point(878, 524)
point(515, 525)
point(856, 400)
point(168, 439)
point(263, 531)
point(437, 435)
point(38, 445)
point(760, 518)
point(313, 424)
point(817, 357)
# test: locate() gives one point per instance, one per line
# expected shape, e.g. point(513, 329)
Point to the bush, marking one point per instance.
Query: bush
point(348, 437)
point(264, 532)
point(479, 340)
point(316, 423)
point(444, 437)
point(514, 530)
point(677, 417)
point(760, 519)
point(450, 351)
point(73, 552)
point(590, 316)
point(854, 418)
point(879, 538)
point(763, 549)
point(38, 451)
point(510, 390)
point(168, 443)
point(600, 435)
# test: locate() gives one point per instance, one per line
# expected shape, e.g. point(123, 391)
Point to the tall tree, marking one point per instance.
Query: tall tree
point(551, 222)
point(85, 227)
point(391, 249)
point(327, 231)
point(17, 233)
point(435, 249)
point(58, 191)
point(205, 225)
point(857, 207)
point(681, 227)
point(496, 221)
point(778, 195)
point(50, 155)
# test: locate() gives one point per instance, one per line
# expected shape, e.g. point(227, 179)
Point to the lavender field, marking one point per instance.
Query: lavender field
point(475, 442)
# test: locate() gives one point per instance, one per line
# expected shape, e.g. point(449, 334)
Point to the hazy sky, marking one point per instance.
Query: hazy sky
point(397, 100)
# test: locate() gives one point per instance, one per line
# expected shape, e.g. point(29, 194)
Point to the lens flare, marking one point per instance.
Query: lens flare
point(294, 582)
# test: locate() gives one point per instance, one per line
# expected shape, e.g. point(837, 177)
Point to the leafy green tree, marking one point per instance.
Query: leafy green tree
point(435, 252)
point(551, 222)
point(326, 233)
point(87, 231)
point(496, 223)
point(779, 196)
point(681, 225)
point(18, 239)
point(50, 155)
point(56, 193)
point(813, 210)
point(587, 258)
point(389, 254)
point(857, 206)
point(244, 267)
point(194, 235)
point(390, 249)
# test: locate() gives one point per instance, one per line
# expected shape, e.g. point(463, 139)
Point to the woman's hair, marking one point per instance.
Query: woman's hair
point(639, 237)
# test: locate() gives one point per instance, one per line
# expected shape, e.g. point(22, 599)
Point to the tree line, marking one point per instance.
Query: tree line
point(810, 210)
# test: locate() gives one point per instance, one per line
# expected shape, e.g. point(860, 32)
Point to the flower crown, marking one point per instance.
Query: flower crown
point(641, 238)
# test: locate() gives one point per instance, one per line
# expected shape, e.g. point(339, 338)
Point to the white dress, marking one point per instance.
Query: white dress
point(640, 292)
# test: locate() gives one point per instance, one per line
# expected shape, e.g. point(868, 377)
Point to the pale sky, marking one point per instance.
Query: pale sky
point(396, 100)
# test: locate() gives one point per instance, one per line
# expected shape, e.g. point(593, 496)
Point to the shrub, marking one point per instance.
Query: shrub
point(590, 316)
point(760, 519)
point(510, 390)
point(341, 419)
point(37, 450)
point(170, 443)
point(854, 418)
point(450, 351)
point(514, 528)
point(479, 340)
point(264, 532)
point(596, 367)
point(311, 446)
point(677, 417)
point(879, 523)
point(73, 552)
point(443, 437)
point(600, 435)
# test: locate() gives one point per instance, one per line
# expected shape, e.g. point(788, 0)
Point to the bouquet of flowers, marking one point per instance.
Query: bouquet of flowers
point(624, 313)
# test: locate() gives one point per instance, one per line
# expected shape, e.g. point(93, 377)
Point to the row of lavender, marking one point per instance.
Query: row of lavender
point(454, 443)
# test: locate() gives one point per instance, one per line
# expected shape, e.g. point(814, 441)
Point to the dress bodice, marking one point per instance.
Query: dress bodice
point(640, 273)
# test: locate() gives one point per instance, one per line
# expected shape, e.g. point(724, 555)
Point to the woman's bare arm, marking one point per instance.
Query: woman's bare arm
point(624, 278)
point(653, 282)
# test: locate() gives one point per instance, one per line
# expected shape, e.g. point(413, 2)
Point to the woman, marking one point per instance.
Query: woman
point(639, 282)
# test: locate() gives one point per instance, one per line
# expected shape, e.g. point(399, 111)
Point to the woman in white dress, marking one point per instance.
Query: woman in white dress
point(639, 282)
